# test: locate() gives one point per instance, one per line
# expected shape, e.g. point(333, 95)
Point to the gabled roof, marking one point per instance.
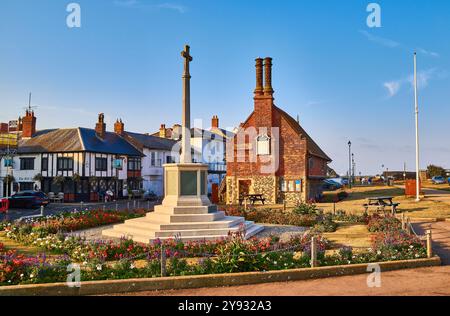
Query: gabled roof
point(52, 140)
point(313, 148)
point(150, 141)
point(111, 143)
point(76, 140)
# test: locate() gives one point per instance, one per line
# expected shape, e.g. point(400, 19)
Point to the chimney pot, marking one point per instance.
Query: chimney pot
point(259, 76)
point(100, 127)
point(215, 122)
point(28, 125)
point(162, 131)
point(268, 76)
point(119, 127)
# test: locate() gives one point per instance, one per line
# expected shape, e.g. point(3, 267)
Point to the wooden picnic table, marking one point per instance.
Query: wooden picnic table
point(252, 198)
point(380, 203)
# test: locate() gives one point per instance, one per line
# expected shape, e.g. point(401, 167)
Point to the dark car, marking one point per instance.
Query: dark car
point(28, 199)
point(150, 196)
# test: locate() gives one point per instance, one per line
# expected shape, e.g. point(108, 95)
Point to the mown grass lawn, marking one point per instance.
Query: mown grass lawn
point(358, 196)
point(347, 234)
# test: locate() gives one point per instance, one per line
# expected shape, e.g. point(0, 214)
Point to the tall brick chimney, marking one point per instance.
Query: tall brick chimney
point(119, 127)
point(263, 96)
point(28, 124)
point(100, 127)
point(19, 124)
point(268, 91)
point(215, 122)
point(259, 76)
point(162, 131)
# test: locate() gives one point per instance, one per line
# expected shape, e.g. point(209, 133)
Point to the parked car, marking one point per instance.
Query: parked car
point(330, 185)
point(150, 196)
point(438, 180)
point(28, 199)
point(341, 181)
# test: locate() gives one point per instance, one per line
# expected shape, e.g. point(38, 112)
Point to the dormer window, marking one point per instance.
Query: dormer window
point(263, 145)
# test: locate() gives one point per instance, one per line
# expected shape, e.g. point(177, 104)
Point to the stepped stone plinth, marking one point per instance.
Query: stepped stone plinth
point(186, 212)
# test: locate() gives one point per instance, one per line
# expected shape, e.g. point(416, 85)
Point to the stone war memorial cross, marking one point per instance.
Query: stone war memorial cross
point(186, 211)
point(186, 119)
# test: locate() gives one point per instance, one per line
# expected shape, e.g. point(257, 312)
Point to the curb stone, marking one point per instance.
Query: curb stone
point(214, 280)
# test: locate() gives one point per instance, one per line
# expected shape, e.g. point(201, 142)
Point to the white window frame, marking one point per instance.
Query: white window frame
point(263, 145)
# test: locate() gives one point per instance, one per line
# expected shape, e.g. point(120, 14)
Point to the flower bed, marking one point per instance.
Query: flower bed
point(273, 216)
point(70, 221)
point(305, 215)
point(342, 216)
point(20, 269)
point(100, 260)
point(377, 223)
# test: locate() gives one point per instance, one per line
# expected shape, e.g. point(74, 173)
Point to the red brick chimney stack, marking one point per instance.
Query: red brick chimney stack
point(119, 127)
point(100, 127)
point(28, 124)
point(268, 91)
point(259, 77)
point(263, 96)
point(215, 122)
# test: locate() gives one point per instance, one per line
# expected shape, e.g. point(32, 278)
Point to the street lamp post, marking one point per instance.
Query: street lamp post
point(417, 129)
point(349, 164)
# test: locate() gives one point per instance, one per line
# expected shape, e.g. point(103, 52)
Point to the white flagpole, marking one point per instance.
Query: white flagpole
point(417, 130)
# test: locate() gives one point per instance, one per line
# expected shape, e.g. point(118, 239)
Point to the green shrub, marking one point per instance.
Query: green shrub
point(325, 224)
point(306, 209)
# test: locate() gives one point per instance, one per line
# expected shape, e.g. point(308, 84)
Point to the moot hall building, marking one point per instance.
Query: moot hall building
point(271, 137)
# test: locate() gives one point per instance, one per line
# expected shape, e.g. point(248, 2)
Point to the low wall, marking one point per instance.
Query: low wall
point(211, 280)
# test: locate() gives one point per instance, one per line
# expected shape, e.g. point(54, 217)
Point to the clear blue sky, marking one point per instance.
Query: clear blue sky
point(345, 80)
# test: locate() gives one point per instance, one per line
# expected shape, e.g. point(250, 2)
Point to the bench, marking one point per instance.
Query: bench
point(253, 198)
point(380, 204)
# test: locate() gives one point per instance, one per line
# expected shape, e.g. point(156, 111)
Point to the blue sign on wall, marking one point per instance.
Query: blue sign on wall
point(9, 163)
point(118, 163)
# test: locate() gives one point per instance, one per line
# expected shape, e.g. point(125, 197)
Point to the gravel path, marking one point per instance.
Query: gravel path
point(284, 232)
point(94, 233)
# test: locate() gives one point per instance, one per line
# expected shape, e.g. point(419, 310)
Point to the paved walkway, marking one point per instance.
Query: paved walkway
point(441, 238)
point(437, 195)
point(423, 281)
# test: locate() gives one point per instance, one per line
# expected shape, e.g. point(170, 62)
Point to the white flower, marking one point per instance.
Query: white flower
point(31, 276)
point(99, 267)
point(379, 252)
point(132, 266)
